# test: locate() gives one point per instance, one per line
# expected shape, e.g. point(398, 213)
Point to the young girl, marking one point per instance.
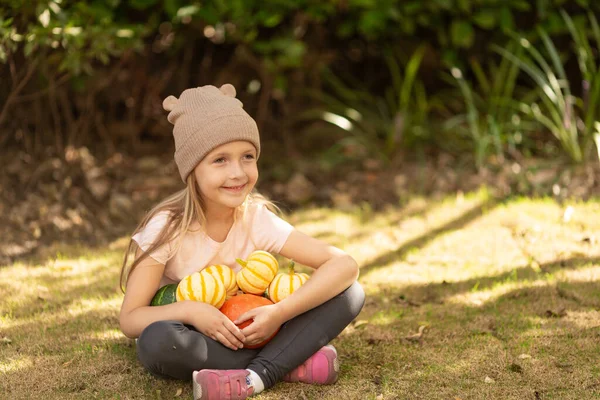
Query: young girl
point(216, 218)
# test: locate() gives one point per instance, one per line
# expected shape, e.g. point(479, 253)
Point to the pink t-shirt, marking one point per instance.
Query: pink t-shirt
point(260, 229)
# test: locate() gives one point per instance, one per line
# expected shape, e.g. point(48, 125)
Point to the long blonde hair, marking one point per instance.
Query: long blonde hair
point(184, 208)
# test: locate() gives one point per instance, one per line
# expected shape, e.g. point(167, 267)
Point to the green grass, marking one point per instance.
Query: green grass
point(505, 290)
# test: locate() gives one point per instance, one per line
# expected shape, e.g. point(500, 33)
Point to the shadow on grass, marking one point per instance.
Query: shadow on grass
point(437, 291)
point(464, 343)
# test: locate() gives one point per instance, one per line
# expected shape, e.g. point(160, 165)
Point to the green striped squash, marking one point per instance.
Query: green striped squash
point(165, 295)
point(202, 286)
point(257, 273)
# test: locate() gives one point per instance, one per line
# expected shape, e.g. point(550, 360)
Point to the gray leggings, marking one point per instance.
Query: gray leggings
point(172, 349)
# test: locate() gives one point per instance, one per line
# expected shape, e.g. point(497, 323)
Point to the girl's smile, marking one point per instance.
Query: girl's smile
point(235, 189)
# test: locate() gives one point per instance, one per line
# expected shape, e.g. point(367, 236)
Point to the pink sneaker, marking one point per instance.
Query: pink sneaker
point(322, 368)
point(218, 384)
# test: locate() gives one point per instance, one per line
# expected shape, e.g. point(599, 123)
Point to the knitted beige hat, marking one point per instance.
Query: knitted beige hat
point(204, 118)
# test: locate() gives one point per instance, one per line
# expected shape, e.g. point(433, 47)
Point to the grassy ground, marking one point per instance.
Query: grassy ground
point(505, 294)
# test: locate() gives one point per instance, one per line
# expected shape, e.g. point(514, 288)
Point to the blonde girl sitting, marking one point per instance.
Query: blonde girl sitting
point(215, 219)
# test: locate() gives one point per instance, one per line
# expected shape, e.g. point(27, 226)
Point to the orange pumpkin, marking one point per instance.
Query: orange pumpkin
point(235, 306)
point(257, 273)
point(285, 284)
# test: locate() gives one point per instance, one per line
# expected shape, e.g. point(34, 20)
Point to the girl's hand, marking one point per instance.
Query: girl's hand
point(214, 324)
point(266, 321)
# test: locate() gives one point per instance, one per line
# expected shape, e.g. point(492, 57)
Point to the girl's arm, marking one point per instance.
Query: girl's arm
point(136, 312)
point(335, 271)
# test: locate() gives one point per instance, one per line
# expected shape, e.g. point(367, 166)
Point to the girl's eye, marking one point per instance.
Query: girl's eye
point(220, 160)
point(249, 157)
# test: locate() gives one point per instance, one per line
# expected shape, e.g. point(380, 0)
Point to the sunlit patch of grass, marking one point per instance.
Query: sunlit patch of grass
point(15, 364)
point(386, 317)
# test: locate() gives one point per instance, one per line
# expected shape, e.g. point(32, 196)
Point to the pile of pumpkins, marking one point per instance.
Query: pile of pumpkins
point(219, 286)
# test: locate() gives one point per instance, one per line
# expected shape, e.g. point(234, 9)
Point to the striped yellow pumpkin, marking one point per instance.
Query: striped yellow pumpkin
point(257, 273)
point(202, 286)
point(226, 275)
point(285, 284)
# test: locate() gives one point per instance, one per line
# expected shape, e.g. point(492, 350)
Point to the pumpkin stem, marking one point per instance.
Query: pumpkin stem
point(292, 263)
point(241, 262)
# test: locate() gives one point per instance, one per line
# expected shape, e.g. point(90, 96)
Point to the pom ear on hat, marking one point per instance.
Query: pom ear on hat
point(228, 90)
point(170, 102)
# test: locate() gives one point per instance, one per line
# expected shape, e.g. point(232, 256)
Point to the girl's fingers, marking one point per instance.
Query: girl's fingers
point(232, 338)
point(246, 316)
point(231, 327)
point(249, 330)
point(224, 341)
point(252, 339)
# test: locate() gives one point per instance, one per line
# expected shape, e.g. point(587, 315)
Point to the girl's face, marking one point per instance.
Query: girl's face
point(227, 174)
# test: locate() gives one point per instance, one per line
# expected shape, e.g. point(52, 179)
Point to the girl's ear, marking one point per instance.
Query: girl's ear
point(228, 90)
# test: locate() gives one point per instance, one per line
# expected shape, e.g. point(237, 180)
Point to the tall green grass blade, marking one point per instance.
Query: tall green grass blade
point(532, 70)
point(583, 50)
point(595, 28)
point(597, 138)
point(410, 74)
point(592, 112)
point(482, 81)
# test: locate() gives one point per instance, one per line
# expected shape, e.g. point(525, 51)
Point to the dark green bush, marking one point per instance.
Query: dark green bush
point(279, 47)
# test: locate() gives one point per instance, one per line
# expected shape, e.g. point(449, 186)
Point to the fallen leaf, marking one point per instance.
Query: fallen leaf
point(488, 380)
point(178, 392)
point(5, 340)
point(417, 336)
point(361, 322)
point(524, 356)
point(68, 362)
point(379, 397)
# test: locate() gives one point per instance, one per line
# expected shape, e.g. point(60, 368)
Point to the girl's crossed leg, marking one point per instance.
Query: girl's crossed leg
point(172, 349)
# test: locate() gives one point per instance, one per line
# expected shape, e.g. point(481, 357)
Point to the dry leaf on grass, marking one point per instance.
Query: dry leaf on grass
point(417, 336)
point(488, 380)
point(5, 340)
point(66, 363)
point(361, 322)
point(178, 393)
point(524, 356)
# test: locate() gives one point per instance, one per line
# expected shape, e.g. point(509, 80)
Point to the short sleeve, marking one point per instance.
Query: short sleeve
point(269, 232)
point(147, 235)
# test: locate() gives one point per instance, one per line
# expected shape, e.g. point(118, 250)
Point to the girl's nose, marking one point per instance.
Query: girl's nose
point(236, 170)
